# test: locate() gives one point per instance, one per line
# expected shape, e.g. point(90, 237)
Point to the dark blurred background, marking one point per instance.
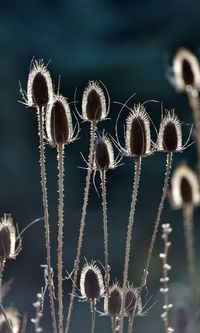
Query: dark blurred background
point(127, 45)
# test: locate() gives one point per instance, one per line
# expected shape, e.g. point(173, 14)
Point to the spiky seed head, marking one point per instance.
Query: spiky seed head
point(113, 302)
point(186, 70)
point(91, 282)
point(104, 155)
point(184, 187)
point(138, 140)
point(130, 302)
point(170, 134)
point(7, 238)
point(59, 121)
point(39, 87)
point(13, 317)
point(94, 107)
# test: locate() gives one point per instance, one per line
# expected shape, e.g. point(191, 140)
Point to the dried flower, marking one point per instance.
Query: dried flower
point(113, 302)
point(184, 187)
point(39, 88)
point(104, 155)
point(91, 282)
point(130, 299)
point(138, 140)
point(94, 107)
point(186, 70)
point(7, 238)
point(59, 122)
point(170, 135)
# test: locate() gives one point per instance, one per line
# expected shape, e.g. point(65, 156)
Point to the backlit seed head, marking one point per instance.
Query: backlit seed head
point(59, 121)
point(13, 317)
point(104, 155)
point(138, 140)
point(113, 302)
point(7, 238)
point(130, 302)
point(170, 134)
point(91, 282)
point(39, 88)
point(186, 70)
point(184, 187)
point(94, 107)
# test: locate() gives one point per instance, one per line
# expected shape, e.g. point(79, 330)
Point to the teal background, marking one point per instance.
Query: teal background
point(127, 45)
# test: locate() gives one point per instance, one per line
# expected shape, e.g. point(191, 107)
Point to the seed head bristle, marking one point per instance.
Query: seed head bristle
point(170, 134)
point(91, 282)
point(104, 155)
point(13, 317)
point(184, 187)
point(113, 302)
point(130, 301)
point(59, 122)
point(7, 238)
point(186, 70)
point(138, 139)
point(39, 87)
point(94, 107)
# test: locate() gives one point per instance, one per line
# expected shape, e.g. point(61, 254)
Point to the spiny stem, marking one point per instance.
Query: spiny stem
point(82, 225)
point(153, 238)
point(40, 113)
point(2, 263)
point(93, 311)
point(105, 230)
point(189, 242)
point(129, 233)
point(60, 234)
point(193, 99)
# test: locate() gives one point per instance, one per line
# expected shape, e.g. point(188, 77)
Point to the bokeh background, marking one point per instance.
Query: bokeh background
point(128, 45)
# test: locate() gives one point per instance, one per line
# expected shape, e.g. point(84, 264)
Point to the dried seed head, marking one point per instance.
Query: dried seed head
point(130, 302)
point(186, 70)
point(59, 122)
point(138, 140)
point(39, 88)
point(91, 282)
point(13, 317)
point(113, 303)
point(94, 107)
point(104, 156)
point(184, 187)
point(7, 238)
point(170, 134)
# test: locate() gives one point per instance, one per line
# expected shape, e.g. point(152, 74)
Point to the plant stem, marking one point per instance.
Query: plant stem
point(82, 225)
point(189, 242)
point(40, 113)
point(129, 233)
point(105, 230)
point(153, 238)
point(2, 263)
point(93, 310)
point(60, 234)
point(193, 99)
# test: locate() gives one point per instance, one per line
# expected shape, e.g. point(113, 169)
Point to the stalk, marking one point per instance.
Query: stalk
point(129, 233)
point(40, 113)
point(60, 234)
point(93, 316)
point(2, 263)
point(82, 225)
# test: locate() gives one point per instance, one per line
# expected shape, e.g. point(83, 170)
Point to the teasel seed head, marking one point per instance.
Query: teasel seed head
point(94, 108)
point(39, 88)
point(130, 302)
point(13, 317)
point(91, 282)
point(184, 187)
point(186, 70)
point(170, 134)
point(113, 302)
point(59, 122)
point(138, 139)
point(104, 155)
point(7, 238)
